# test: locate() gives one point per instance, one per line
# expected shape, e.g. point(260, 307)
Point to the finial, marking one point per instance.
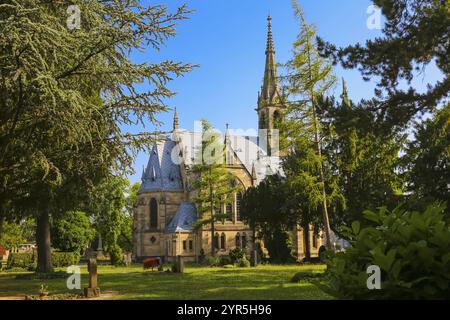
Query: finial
point(175, 120)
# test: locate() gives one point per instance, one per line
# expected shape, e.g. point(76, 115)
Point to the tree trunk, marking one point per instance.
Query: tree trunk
point(326, 220)
point(43, 244)
point(211, 200)
point(307, 244)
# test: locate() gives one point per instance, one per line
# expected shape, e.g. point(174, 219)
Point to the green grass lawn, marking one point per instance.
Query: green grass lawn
point(262, 282)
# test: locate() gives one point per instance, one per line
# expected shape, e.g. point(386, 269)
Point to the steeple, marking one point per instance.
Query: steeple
point(175, 120)
point(270, 90)
point(269, 99)
point(344, 95)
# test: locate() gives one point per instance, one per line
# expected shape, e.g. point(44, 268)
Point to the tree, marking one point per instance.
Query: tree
point(109, 215)
point(264, 209)
point(428, 159)
point(126, 234)
point(11, 235)
point(415, 36)
point(213, 184)
point(308, 77)
point(65, 95)
point(362, 153)
point(72, 233)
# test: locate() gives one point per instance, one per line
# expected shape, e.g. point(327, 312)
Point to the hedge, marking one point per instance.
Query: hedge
point(28, 260)
point(64, 259)
point(21, 260)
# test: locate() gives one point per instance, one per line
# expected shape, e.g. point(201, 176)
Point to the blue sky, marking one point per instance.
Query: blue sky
point(227, 38)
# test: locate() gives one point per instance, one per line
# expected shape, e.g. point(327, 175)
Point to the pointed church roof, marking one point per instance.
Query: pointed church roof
point(161, 172)
point(184, 219)
point(270, 90)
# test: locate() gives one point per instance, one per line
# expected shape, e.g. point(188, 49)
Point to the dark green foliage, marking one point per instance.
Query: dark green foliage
point(65, 259)
point(428, 159)
point(362, 155)
point(306, 276)
point(225, 260)
point(72, 232)
point(415, 36)
point(212, 261)
point(66, 96)
point(236, 254)
point(21, 260)
point(264, 208)
point(411, 248)
point(115, 255)
point(243, 263)
point(279, 245)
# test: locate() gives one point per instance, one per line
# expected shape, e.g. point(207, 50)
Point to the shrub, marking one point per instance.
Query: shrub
point(212, 261)
point(305, 276)
point(243, 263)
point(65, 259)
point(23, 260)
point(411, 248)
point(224, 260)
point(116, 255)
point(236, 254)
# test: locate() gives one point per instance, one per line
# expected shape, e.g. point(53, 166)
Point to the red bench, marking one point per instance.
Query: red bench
point(151, 263)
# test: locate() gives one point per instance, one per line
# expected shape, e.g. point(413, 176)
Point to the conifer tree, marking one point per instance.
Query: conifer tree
point(214, 185)
point(67, 91)
point(308, 77)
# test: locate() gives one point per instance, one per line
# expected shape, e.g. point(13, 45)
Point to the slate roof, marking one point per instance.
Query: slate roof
point(184, 219)
point(246, 148)
point(161, 172)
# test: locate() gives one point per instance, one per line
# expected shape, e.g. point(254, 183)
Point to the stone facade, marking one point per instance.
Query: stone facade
point(165, 212)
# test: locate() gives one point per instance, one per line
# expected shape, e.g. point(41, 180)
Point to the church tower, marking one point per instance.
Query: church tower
point(270, 99)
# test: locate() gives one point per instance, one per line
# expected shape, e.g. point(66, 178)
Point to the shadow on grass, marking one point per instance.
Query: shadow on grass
point(270, 282)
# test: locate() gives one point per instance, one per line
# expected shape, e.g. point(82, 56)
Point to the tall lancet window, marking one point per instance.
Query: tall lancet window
point(153, 213)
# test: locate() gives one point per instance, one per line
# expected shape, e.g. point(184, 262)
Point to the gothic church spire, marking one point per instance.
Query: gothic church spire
point(270, 90)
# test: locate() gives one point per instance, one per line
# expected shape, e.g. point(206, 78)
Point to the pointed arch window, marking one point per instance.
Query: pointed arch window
point(223, 241)
point(244, 240)
point(238, 206)
point(238, 240)
point(153, 213)
point(262, 121)
point(216, 241)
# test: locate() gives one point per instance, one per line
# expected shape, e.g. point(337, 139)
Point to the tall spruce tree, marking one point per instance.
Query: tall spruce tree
point(214, 185)
point(66, 94)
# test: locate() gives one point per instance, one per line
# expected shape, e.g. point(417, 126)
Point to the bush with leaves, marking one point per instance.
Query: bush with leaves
point(23, 260)
point(243, 263)
point(72, 232)
point(65, 259)
point(411, 248)
point(236, 254)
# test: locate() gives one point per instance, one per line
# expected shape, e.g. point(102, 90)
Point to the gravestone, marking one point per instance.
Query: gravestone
point(93, 290)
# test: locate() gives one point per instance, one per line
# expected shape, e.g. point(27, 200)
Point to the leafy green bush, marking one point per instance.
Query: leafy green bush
point(64, 259)
point(411, 248)
point(236, 254)
point(224, 260)
point(23, 260)
point(212, 261)
point(305, 276)
point(243, 263)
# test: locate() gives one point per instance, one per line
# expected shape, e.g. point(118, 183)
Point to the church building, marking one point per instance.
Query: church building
point(165, 212)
